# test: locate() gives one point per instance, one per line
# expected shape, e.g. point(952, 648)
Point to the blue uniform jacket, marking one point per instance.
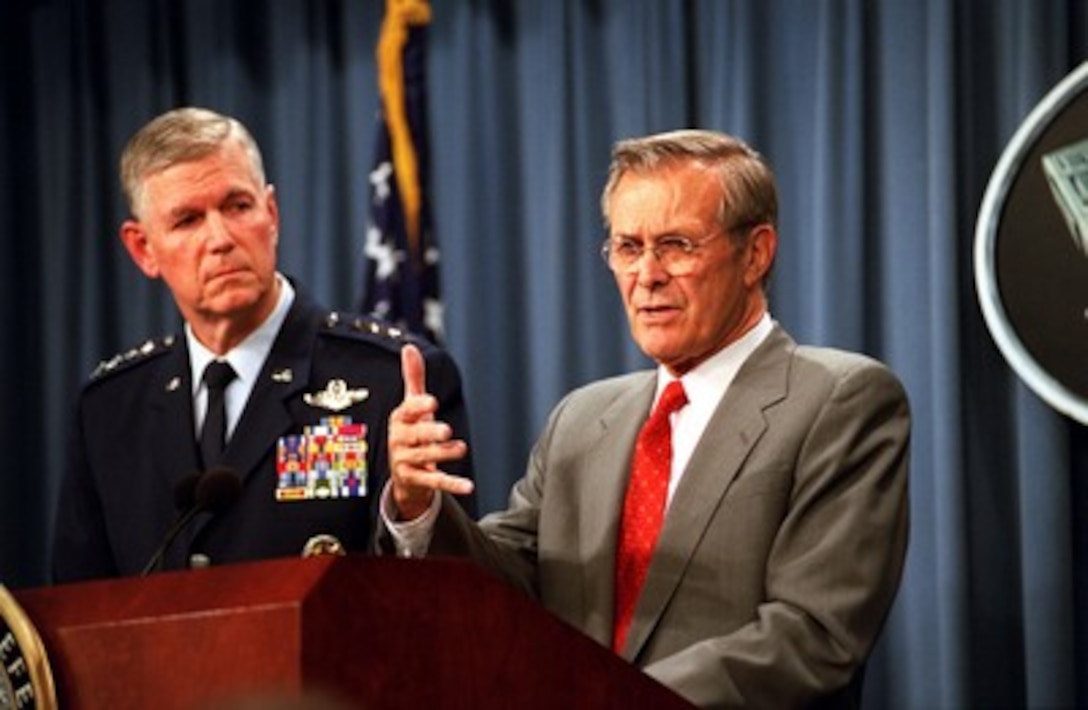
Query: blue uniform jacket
point(132, 439)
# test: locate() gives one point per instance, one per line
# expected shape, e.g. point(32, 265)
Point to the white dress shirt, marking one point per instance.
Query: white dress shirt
point(247, 358)
point(705, 386)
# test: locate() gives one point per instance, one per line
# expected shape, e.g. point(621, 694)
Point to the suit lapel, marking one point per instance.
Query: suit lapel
point(605, 483)
point(266, 416)
point(285, 373)
point(734, 429)
point(171, 403)
point(172, 436)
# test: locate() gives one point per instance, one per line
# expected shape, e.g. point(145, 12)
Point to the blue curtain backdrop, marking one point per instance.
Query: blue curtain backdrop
point(883, 119)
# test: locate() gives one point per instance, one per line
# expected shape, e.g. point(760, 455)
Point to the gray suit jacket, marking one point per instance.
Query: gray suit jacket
point(781, 551)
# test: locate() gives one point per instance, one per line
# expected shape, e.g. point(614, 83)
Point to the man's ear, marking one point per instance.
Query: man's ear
point(273, 210)
point(762, 246)
point(139, 248)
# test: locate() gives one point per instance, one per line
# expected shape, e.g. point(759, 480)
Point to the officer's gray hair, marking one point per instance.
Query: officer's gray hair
point(178, 136)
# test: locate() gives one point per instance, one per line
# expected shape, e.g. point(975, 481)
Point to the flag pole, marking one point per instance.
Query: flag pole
point(400, 17)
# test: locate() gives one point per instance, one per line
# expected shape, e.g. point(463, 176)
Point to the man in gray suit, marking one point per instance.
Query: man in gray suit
point(783, 510)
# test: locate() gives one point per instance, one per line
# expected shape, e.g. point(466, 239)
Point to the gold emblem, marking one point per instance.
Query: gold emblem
point(336, 397)
point(26, 680)
point(323, 544)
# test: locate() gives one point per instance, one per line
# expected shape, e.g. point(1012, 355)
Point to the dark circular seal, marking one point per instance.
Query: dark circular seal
point(26, 682)
point(1031, 249)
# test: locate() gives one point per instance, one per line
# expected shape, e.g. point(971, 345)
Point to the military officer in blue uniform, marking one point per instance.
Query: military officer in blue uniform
point(305, 404)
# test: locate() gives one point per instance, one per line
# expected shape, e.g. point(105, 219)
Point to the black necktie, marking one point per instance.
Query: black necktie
point(213, 436)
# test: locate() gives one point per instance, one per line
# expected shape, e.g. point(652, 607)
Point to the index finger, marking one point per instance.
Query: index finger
point(413, 370)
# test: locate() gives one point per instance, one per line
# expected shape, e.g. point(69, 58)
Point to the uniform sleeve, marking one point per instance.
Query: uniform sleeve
point(80, 541)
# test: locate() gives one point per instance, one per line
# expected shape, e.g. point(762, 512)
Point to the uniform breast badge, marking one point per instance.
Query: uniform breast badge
point(336, 397)
point(326, 461)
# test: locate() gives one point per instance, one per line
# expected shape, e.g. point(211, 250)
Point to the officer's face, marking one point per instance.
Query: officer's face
point(208, 228)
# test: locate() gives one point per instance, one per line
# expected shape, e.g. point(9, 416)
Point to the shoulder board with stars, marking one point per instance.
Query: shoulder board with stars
point(369, 329)
point(141, 353)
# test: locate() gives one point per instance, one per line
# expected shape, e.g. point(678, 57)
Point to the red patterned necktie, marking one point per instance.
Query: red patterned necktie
point(644, 508)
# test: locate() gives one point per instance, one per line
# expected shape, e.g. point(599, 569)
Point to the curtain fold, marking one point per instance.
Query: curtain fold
point(882, 119)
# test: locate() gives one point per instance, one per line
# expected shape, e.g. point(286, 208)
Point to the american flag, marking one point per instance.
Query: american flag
point(401, 255)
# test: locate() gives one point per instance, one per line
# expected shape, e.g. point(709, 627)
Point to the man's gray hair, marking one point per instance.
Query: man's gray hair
point(178, 136)
point(749, 193)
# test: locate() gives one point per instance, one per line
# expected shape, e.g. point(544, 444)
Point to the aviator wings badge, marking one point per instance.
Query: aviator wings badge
point(336, 397)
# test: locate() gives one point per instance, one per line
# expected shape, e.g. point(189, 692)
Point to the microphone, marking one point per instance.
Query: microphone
point(213, 491)
point(217, 489)
point(185, 491)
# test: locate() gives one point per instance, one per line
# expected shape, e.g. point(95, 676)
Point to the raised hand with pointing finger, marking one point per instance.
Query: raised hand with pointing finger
point(419, 444)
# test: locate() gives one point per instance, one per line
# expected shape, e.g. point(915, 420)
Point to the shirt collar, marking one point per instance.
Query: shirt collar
point(706, 383)
point(247, 358)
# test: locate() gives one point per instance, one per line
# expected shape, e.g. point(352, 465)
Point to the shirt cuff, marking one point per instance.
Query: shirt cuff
point(411, 538)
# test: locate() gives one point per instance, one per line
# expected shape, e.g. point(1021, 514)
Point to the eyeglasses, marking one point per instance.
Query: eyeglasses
point(676, 254)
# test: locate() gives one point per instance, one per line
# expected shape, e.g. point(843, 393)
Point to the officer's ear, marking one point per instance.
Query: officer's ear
point(134, 237)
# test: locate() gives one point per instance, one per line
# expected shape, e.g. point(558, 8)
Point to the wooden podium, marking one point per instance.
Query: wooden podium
point(373, 632)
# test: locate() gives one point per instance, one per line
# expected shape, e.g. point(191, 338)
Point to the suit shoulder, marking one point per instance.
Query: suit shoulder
point(368, 330)
point(837, 360)
point(151, 349)
point(845, 366)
